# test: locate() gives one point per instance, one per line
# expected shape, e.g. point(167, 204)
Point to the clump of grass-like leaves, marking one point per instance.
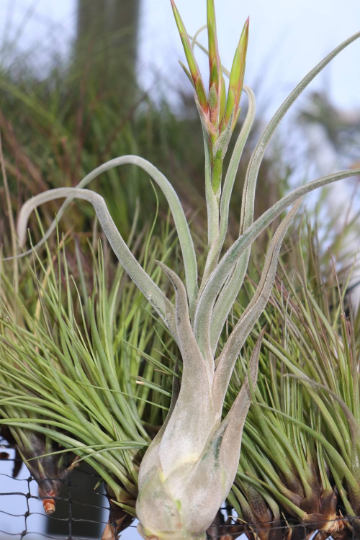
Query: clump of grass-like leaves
point(79, 369)
point(306, 404)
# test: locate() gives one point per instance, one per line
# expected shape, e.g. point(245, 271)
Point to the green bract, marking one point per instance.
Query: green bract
point(191, 464)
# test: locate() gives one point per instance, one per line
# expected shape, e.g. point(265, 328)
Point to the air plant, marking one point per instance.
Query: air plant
point(289, 475)
point(190, 466)
point(326, 367)
point(49, 471)
point(308, 344)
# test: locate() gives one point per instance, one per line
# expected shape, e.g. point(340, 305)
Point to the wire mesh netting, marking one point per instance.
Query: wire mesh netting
point(82, 507)
point(83, 511)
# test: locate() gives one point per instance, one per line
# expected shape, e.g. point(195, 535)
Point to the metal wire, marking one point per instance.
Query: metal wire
point(75, 523)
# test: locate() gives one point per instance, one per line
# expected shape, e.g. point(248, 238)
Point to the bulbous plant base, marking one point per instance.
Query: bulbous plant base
point(169, 535)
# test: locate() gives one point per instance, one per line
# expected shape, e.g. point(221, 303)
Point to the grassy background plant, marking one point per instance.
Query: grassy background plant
point(80, 367)
point(309, 343)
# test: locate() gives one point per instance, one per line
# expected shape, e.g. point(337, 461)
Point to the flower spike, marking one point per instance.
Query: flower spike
point(193, 66)
point(237, 75)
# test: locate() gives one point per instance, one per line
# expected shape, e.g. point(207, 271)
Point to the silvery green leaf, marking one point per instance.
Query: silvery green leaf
point(212, 205)
point(195, 393)
point(235, 160)
point(147, 286)
point(240, 333)
point(151, 458)
point(228, 262)
point(235, 420)
point(226, 298)
point(186, 243)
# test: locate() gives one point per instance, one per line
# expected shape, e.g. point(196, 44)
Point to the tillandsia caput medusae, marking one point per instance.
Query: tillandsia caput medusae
point(189, 467)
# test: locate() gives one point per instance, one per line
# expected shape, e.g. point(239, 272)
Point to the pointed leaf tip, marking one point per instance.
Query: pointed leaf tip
point(193, 66)
point(237, 72)
point(211, 23)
